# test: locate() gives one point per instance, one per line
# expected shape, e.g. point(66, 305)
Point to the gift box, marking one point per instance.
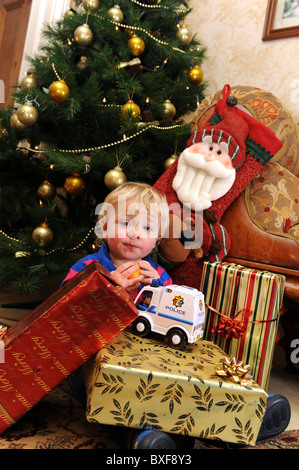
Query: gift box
point(242, 314)
point(56, 338)
point(142, 383)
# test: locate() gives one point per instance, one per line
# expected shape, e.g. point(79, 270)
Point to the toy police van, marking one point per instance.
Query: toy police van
point(177, 312)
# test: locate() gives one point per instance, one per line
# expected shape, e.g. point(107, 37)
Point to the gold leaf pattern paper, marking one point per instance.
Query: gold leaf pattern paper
point(142, 383)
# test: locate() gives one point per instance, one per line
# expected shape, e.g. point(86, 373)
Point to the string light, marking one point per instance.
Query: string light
point(74, 248)
point(109, 105)
point(148, 6)
point(138, 28)
point(158, 7)
point(8, 237)
point(112, 144)
point(56, 73)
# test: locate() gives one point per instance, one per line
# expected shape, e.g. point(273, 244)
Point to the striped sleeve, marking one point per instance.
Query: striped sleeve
point(79, 266)
point(164, 276)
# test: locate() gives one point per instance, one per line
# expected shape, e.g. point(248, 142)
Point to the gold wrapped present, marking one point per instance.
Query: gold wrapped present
point(142, 383)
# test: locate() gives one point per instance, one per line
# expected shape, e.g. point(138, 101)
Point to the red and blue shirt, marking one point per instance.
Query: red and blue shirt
point(103, 257)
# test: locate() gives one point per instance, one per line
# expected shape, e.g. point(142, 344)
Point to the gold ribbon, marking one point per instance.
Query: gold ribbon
point(132, 62)
point(235, 371)
point(5, 416)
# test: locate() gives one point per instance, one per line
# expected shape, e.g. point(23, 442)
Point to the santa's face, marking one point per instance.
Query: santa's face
point(204, 174)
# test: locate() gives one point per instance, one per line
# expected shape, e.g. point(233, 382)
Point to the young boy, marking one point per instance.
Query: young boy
point(132, 219)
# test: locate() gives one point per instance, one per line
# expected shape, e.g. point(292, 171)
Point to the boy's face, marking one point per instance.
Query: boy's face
point(132, 232)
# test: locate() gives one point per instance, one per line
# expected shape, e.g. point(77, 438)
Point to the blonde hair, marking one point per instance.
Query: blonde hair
point(141, 193)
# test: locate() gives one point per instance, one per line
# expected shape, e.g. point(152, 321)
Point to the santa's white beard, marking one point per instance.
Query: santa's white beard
point(197, 183)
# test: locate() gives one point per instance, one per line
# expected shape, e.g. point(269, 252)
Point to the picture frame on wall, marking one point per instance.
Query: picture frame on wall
point(282, 19)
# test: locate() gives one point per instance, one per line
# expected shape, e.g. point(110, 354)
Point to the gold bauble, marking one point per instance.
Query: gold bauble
point(69, 13)
point(184, 35)
point(169, 161)
point(59, 91)
point(29, 82)
point(195, 75)
point(82, 62)
point(169, 110)
point(16, 124)
point(42, 235)
point(27, 114)
point(136, 45)
point(130, 110)
point(74, 184)
point(114, 178)
point(83, 35)
point(46, 191)
point(91, 4)
point(116, 13)
point(31, 70)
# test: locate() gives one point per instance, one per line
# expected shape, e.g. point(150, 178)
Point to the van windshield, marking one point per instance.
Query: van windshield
point(145, 300)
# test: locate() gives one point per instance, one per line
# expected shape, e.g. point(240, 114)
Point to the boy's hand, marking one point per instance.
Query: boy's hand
point(148, 272)
point(121, 276)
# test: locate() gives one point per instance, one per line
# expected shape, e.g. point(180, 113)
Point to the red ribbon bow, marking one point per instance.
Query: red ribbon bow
point(231, 327)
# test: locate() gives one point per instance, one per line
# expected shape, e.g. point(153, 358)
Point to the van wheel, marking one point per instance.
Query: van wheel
point(176, 338)
point(152, 439)
point(141, 327)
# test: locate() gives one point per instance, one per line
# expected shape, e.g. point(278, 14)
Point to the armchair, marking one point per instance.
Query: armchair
point(263, 221)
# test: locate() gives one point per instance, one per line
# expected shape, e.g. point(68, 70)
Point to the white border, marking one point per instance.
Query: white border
point(42, 12)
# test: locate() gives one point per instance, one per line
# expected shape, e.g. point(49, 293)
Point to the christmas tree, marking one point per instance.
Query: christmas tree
point(103, 101)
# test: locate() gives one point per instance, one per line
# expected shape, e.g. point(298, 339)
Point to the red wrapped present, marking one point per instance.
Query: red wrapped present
point(242, 314)
point(58, 336)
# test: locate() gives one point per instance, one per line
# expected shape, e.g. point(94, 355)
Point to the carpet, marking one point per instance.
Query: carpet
point(58, 422)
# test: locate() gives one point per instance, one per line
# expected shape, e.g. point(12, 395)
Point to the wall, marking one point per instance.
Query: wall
point(232, 33)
